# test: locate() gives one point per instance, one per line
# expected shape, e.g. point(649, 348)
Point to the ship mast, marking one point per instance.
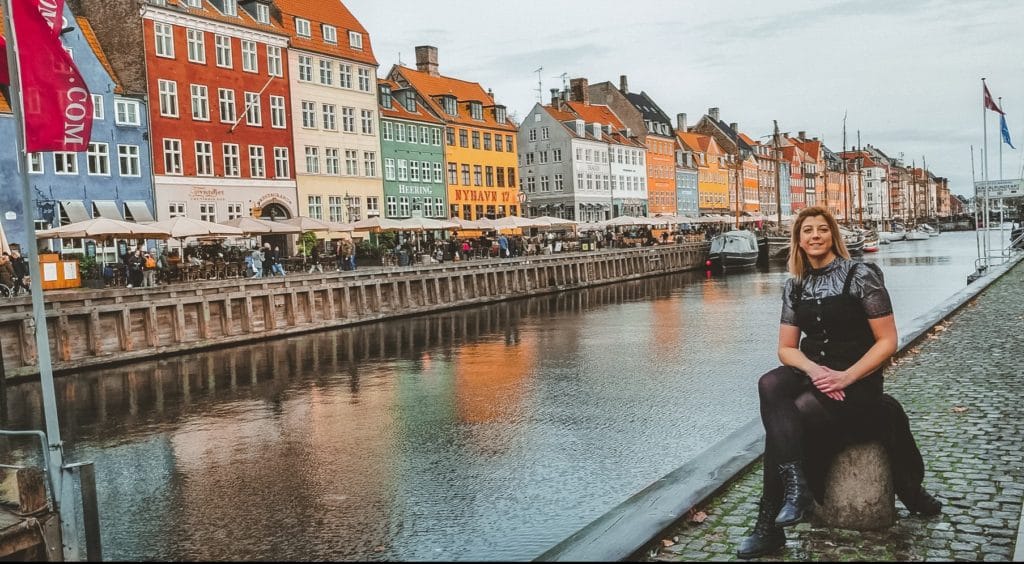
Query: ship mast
point(778, 167)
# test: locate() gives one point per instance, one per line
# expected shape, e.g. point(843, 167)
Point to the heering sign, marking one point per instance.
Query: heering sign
point(414, 190)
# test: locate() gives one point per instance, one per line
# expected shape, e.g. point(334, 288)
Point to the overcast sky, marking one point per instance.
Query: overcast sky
point(906, 72)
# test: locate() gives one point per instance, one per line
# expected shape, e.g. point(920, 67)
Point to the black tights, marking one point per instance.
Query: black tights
point(802, 424)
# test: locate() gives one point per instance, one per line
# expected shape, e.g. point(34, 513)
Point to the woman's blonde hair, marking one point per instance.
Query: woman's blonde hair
point(798, 262)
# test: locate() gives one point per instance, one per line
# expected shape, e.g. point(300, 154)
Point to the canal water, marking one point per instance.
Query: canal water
point(483, 434)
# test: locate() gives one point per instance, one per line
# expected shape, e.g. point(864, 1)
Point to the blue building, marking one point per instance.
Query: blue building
point(784, 188)
point(686, 182)
point(113, 179)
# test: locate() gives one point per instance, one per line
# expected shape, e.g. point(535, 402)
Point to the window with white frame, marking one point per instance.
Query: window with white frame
point(414, 171)
point(424, 135)
point(250, 63)
point(326, 72)
point(97, 106)
point(302, 27)
point(65, 163)
point(275, 66)
point(277, 112)
point(208, 212)
point(438, 173)
point(389, 169)
point(364, 80)
point(282, 168)
point(334, 209)
point(351, 162)
point(403, 206)
point(348, 120)
point(367, 121)
point(308, 114)
point(355, 40)
point(345, 75)
point(370, 163)
point(392, 206)
point(386, 130)
point(332, 161)
point(163, 34)
point(263, 13)
point(330, 34)
point(257, 162)
point(223, 44)
point(253, 112)
point(372, 205)
point(312, 160)
point(226, 103)
point(437, 137)
point(328, 112)
point(305, 68)
point(168, 97)
point(172, 156)
point(204, 158)
point(559, 183)
point(175, 209)
point(200, 103)
point(230, 7)
point(196, 46)
point(232, 161)
point(400, 132)
point(98, 159)
point(234, 210)
point(35, 163)
point(128, 161)
point(403, 170)
point(126, 112)
point(556, 155)
point(315, 207)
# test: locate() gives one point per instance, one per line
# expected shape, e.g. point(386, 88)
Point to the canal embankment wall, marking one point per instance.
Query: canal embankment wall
point(621, 532)
point(91, 328)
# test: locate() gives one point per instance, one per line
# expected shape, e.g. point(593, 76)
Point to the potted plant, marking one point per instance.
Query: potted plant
point(92, 276)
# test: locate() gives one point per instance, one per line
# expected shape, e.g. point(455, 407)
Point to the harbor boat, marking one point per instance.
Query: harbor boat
point(931, 231)
point(917, 234)
point(854, 241)
point(871, 242)
point(778, 245)
point(732, 250)
point(897, 234)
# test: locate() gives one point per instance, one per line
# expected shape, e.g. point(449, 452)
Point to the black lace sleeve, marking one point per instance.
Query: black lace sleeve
point(868, 286)
point(788, 312)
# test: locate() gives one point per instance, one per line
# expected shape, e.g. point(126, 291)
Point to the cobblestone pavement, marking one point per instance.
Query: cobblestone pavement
point(962, 387)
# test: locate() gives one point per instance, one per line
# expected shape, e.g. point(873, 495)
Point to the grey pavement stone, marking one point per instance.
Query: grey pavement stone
point(973, 459)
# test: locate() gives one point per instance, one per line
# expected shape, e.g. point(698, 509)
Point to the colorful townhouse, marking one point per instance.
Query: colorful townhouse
point(576, 162)
point(686, 175)
point(794, 158)
point(217, 75)
point(764, 155)
point(480, 139)
point(712, 172)
point(412, 150)
point(653, 128)
point(869, 195)
point(814, 169)
point(742, 192)
point(836, 198)
point(113, 179)
point(333, 110)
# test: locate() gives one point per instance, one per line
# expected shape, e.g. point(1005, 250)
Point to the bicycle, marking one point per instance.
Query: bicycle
point(5, 291)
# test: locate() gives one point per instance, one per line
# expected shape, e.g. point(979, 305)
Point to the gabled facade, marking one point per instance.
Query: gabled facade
point(764, 155)
point(687, 202)
point(333, 110)
point(113, 179)
point(480, 139)
point(813, 169)
point(738, 151)
point(653, 128)
point(794, 158)
point(712, 172)
point(869, 202)
point(412, 147)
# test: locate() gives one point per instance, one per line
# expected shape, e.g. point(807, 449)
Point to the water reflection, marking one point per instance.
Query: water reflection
point(489, 433)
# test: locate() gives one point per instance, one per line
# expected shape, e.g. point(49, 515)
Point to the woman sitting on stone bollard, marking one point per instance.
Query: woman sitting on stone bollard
point(828, 393)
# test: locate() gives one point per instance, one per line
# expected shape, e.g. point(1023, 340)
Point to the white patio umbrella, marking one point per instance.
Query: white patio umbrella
point(311, 224)
point(183, 227)
point(377, 223)
point(515, 222)
point(628, 220)
point(555, 221)
point(102, 227)
point(426, 224)
point(253, 226)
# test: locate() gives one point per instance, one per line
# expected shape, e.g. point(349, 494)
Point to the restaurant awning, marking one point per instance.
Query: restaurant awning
point(108, 209)
point(137, 211)
point(74, 210)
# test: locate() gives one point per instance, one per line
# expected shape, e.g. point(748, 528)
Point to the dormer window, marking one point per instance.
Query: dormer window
point(230, 7)
point(450, 105)
point(302, 27)
point(476, 110)
point(355, 40)
point(330, 34)
point(385, 96)
point(195, 3)
point(499, 114)
point(410, 102)
point(263, 13)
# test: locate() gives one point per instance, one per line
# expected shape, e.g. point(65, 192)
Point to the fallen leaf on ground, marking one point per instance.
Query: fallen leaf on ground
point(959, 409)
point(667, 542)
point(699, 517)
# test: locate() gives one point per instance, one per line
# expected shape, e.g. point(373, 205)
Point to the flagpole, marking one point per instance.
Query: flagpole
point(1000, 143)
point(984, 161)
point(55, 456)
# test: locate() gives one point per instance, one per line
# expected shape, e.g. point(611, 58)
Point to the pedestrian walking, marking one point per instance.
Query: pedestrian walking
point(20, 267)
point(256, 257)
point(315, 257)
point(149, 269)
point(828, 392)
point(276, 267)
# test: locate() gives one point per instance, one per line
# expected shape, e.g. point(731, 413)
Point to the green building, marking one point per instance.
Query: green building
point(413, 155)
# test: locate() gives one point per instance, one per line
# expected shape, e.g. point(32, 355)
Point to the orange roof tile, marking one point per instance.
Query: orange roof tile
point(695, 141)
point(746, 139)
point(399, 111)
point(331, 13)
point(430, 87)
point(596, 113)
point(90, 36)
point(243, 19)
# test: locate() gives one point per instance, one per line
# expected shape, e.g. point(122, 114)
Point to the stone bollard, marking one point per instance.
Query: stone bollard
point(859, 493)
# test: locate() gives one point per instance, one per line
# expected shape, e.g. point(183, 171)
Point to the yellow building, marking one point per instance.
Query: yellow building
point(480, 141)
point(712, 172)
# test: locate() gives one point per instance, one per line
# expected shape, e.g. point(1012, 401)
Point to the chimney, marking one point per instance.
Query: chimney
point(713, 112)
point(681, 122)
point(426, 60)
point(623, 84)
point(554, 97)
point(814, 139)
point(735, 126)
point(802, 136)
point(490, 94)
point(580, 88)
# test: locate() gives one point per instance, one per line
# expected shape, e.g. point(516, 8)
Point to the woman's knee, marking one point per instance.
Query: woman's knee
point(775, 381)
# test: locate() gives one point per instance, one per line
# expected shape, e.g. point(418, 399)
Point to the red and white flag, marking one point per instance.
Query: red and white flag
point(57, 104)
point(49, 9)
point(990, 104)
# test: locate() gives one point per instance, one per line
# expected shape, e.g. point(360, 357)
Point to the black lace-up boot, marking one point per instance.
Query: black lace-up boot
point(920, 502)
point(797, 501)
point(767, 537)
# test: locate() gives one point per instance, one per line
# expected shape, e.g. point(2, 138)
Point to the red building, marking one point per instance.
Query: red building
point(217, 79)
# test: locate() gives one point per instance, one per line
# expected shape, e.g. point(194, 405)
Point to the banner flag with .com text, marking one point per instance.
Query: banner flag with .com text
point(56, 101)
point(49, 9)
